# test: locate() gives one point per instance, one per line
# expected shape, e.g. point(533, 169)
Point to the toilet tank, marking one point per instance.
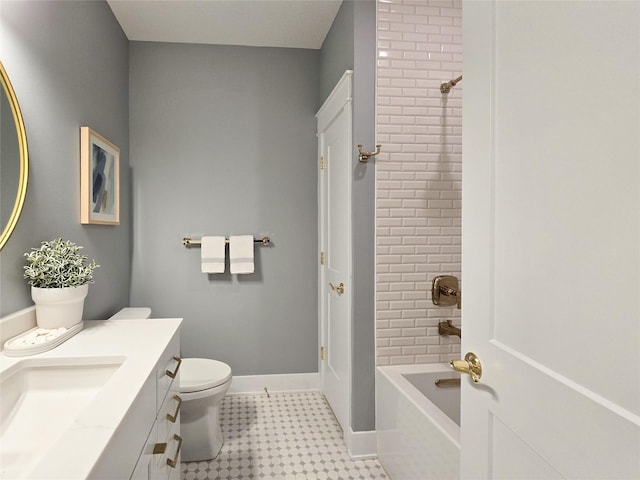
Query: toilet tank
point(131, 313)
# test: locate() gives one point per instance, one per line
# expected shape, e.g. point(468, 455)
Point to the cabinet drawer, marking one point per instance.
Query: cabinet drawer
point(169, 415)
point(169, 443)
point(169, 370)
point(167, 465)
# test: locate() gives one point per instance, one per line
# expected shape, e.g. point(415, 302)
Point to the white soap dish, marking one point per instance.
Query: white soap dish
point(14, 348)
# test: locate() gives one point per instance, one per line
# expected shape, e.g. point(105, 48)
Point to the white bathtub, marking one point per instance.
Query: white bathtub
point(416, 439)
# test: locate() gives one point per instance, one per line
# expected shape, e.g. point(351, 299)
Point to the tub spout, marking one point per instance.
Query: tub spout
point(447, 328)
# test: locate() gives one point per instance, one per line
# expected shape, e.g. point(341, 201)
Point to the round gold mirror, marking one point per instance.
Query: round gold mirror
point(14, 159)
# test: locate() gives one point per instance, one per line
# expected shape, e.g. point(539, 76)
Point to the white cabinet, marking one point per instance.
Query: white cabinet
point(112, 437)
point(146, 446)
point(160, 457)
point(167, 424)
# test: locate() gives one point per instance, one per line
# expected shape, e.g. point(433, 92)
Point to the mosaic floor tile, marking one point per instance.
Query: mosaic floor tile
point(291, 436)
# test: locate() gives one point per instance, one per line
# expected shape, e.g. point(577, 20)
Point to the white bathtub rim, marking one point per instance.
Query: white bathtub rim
point(393, 373)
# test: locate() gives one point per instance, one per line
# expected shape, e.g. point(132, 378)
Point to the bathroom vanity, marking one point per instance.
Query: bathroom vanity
point(103, 405)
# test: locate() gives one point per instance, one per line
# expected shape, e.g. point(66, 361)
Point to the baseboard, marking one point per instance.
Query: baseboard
point(288, 382)
point(361, 445)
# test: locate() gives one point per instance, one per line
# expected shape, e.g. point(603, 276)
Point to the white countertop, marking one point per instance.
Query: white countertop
point(142, 342)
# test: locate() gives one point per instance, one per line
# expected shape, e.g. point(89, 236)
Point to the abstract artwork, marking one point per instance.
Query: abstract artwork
point(99, 179)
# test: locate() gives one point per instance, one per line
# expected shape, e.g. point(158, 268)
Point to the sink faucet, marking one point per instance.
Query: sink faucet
point(447, 328)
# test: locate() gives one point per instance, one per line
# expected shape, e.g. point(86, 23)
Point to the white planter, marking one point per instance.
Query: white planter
point(59, 307)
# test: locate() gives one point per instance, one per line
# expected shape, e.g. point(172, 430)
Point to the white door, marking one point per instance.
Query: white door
point(334, 145)
point(551, 239)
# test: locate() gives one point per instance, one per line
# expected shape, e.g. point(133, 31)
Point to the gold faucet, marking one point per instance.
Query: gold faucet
point(447, 328)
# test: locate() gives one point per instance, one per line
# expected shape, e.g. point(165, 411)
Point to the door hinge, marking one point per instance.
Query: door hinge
point(322, 353)
point(322, 258)
point(323, 164)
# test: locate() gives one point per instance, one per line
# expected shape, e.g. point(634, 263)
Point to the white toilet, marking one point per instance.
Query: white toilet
point(203, 385)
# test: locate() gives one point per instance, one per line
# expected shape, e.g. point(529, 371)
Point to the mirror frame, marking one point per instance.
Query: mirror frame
point(24, 157)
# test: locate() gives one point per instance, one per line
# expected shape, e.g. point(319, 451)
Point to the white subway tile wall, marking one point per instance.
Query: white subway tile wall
point(419, 176)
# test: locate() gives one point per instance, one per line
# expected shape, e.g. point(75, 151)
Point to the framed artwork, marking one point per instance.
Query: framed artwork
point(99, 179)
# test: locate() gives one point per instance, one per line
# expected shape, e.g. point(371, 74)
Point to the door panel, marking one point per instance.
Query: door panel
point(551, 239)
point(519, 455)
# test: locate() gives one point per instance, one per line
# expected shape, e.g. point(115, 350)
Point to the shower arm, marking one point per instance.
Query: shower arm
point(446, 87)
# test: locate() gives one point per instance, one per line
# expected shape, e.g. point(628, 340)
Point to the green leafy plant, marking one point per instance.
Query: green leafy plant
point(57, 264)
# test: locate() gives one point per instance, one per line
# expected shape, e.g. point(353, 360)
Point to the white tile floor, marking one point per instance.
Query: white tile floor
point(285, 436)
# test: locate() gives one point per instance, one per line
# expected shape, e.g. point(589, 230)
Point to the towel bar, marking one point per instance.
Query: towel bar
point(189, 242)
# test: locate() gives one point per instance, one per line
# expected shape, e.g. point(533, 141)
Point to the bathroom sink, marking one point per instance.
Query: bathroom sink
point(39, 401)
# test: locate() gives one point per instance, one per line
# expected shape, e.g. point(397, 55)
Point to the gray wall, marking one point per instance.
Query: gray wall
point(363, 403)
point(68, 62)
point(350, 44)
point(222, 143)
point(336, 54)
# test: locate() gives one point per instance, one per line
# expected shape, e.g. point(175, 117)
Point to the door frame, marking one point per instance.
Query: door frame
point(339, 99)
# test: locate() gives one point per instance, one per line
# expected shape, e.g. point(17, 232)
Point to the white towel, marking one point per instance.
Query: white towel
point(241, 254)
point(212, 254)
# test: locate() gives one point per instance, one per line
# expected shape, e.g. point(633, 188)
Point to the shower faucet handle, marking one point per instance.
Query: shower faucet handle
point(445, 291)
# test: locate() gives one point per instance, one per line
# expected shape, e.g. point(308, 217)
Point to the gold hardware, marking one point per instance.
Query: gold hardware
point(470, 365)
point(447, 328)
point(447, 382)
point(339, 288)
point(172, 418)
point(23, 151)
point(364, 156)
point(189, 242)
point(322, 353)
point(446, 86)
point(173, 374)
point(445, 292)
point(174, 462)
point(323, 164)
point(322, 258)
point(159, 448)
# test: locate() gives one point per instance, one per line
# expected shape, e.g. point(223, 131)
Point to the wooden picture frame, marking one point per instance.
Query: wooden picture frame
point(99, 179)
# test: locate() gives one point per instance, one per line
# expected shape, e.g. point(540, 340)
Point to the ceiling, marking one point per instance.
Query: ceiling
point(258, 23)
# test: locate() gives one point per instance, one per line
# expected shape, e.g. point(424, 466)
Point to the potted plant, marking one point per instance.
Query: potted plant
point(59, 277)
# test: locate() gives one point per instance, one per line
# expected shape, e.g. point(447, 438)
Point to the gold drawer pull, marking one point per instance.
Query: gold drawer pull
point(173, 374)
point(339, 289)
point(174, 462)
point(172, 418)
point(159, 448)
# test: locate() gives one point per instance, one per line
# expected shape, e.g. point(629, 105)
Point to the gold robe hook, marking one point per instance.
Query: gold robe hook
point(364, 156)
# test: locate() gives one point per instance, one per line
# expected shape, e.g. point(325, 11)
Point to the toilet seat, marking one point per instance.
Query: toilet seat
point(197, 374)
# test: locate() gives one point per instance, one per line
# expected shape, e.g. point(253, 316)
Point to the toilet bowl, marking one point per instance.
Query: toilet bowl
point(203, 385)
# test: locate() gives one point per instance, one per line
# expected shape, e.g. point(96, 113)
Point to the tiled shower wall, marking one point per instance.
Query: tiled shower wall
point(419, 176)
